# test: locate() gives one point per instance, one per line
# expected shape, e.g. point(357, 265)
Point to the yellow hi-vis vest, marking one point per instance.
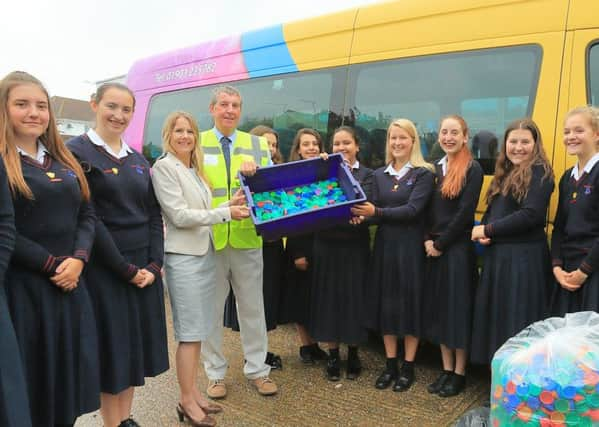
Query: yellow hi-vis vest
point(238, 234)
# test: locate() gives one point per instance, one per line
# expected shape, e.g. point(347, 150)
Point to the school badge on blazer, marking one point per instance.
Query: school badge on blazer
point(113, 171)
point(138, 168)
point(52, 177)
point(70, 173)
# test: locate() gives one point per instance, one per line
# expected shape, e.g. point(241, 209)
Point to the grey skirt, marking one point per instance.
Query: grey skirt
point(191, 282)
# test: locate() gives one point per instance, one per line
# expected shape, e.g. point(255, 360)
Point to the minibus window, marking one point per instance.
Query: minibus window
point(489, 88)
point(285, 102)
point(593, 75)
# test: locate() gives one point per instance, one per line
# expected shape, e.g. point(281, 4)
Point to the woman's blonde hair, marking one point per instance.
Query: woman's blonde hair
point(590, 112)
point(50, 138)
point(416, 159)
point(197, 155)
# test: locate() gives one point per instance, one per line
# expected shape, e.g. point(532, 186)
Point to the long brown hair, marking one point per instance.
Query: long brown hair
point(455, 178)
point(262, 130)
point(515, 180)
point(197, 155)
point(50, 138)
point(294, 155)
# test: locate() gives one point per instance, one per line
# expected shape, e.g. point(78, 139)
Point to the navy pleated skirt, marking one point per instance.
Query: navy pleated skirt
point(337, 300)
point(586, 298)
point(131, 325)
point(14, 403)
point(56, 334)
point(450, 284)
point(514, 292)
point(394, 293)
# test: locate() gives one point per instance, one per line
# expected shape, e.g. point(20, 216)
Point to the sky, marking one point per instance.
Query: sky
point(70, 44)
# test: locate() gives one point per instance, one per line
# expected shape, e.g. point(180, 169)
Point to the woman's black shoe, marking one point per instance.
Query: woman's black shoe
point(454, 386)
point(333, 368)
point(436, 387)
point(405, 378)
point(311, 353)
point(305, 353)
point(318, 353)
point(274, 361)
point(385, 379)
point(354, 367)
point(129, 422)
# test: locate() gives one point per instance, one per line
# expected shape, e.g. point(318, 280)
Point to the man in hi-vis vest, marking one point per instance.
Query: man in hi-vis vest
point(228, 151)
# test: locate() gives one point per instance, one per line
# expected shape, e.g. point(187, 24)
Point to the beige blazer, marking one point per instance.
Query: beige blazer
point(186, 204)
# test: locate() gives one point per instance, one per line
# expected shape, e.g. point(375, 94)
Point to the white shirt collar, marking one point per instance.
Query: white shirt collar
point(40, 156)
point(404, 170)
point(443, 163)
point(356, 165)
point(587, 168)
point(97, 140)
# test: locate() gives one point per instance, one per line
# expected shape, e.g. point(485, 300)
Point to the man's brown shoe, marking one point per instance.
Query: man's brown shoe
point(216, 389)
point(265, 386)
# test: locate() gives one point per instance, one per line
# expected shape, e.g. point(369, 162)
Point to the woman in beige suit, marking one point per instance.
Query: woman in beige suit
point(190, 267)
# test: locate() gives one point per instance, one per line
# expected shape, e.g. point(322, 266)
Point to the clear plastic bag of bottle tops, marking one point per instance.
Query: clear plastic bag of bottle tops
point(477, 417)
point(548, 374)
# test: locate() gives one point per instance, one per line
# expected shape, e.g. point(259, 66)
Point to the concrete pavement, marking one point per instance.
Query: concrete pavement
point(306, 397)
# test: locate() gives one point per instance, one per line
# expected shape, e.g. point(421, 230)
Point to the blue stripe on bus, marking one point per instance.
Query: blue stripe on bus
point(265, 52)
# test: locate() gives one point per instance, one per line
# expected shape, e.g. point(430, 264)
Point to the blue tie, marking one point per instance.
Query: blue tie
point(224, 141)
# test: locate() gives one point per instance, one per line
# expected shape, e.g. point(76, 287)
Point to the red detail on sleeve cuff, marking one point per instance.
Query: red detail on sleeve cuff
point(586, 268)
point(81, 254)
point(129, 271)
point(154, 268)
point(47, 268)
point(52, 264)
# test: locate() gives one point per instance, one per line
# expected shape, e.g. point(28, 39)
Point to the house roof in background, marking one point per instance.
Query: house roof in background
point(73, 109)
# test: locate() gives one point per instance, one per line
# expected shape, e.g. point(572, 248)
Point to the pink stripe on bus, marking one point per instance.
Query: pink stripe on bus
point(208, 63)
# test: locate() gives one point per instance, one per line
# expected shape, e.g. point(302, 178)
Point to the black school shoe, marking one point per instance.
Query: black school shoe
point(453, 386)
point(305, 353)
point(274, 361)
point(385, 379)
point(333, 368)
point(354, 367)
point(129, 422)
point(435, 387)
point(318, 353)
point(405, 378)
point(309, 354)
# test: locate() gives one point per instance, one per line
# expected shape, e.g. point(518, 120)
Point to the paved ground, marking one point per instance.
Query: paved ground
point(306, 397)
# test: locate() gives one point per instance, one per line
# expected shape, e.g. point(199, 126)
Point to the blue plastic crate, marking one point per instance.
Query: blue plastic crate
point(298, 173)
